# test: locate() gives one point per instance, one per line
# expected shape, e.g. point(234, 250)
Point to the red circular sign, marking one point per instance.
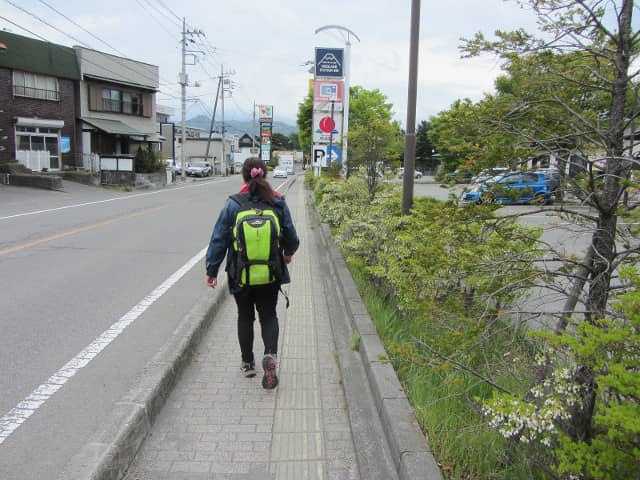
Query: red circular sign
point(326, 125)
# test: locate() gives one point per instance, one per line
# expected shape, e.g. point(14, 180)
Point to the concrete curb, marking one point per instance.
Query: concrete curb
point(109, 454)
point(409, 448)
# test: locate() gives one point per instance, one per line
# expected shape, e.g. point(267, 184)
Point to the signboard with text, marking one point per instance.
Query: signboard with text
point(326, 129)
point(329, 62)
point(327, 91)
point(266, 112)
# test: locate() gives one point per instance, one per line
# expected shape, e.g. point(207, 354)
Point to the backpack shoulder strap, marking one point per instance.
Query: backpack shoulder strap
point(241, 200)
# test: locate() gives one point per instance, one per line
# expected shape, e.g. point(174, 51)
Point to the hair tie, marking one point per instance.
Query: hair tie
point(257, 172)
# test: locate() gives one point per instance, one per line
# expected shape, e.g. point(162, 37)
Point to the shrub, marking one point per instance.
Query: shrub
point(147, 162)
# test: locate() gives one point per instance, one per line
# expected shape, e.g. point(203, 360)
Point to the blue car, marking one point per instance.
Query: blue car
point(516, 187)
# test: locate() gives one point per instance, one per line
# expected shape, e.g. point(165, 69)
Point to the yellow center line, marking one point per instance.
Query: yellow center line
point(79, 230)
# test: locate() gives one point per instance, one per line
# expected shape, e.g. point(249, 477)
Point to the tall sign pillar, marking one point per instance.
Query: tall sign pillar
point(328, 100)
point(266, 127)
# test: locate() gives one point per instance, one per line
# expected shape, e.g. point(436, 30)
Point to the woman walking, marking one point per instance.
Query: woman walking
point(257, 193)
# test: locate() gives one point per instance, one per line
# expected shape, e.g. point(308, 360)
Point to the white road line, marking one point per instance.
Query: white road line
point(21, 412)
point(97, 202)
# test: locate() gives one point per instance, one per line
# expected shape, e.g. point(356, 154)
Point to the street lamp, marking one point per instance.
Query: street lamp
point(345, 128)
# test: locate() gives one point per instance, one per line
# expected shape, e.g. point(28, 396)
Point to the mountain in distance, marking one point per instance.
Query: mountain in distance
point(239, 127)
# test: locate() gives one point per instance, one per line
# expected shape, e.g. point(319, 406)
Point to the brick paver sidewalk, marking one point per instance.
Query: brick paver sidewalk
point(217, 424)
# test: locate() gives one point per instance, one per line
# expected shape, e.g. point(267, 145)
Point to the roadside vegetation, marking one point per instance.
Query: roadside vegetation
point(443, 321)
point(495, 400)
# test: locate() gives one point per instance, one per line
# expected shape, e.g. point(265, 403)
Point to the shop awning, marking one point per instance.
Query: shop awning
point(114, 127)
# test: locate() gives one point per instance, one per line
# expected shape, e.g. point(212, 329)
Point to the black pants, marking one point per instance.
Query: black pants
point(264, 299)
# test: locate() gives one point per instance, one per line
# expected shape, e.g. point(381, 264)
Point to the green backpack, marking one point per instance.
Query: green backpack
point(258, 258)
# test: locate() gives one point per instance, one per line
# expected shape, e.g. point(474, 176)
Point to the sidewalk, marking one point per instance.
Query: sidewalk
point(336, 413)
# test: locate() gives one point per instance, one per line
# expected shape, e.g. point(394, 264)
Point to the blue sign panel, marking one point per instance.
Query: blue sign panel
point(329, 62)
point(65, 144)
point(335, 155)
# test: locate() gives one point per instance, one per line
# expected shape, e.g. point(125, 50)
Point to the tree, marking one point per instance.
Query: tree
point(425, 151)
point(280, 142)
point(373, 136)
point(587, 50)
point(294, 141)
point(305, 122)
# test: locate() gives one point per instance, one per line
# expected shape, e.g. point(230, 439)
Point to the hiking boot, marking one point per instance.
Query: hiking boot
point(270, 379)
point(248, 369)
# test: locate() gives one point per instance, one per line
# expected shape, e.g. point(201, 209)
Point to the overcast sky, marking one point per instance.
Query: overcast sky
point(266, 43)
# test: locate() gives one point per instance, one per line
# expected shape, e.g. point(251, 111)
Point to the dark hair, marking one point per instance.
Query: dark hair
point(258, 185)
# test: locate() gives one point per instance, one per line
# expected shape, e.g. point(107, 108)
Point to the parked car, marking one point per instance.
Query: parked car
point(416, 173)
point(516, 187)
point(460, 176)
point(279, 172)
point(488, 173)
point(199, 169)
point(552, 176)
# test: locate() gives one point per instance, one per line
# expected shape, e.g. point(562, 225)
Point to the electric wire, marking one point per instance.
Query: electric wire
point(82, 28)
point(45, 22)
point(25, 29)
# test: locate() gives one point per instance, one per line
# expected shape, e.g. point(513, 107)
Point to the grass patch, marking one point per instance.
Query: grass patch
point(445, 401)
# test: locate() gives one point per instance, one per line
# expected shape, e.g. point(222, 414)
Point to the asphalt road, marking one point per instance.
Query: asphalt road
point(93, 283)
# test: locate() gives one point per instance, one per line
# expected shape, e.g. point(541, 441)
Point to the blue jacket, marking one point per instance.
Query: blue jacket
point(221, 241)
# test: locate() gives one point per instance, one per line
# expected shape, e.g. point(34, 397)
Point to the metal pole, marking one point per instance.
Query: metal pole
point(253, 127)
point(330, 152)
point(183, 84)
point(345, 106)
point(223, 161)
point(410, 138)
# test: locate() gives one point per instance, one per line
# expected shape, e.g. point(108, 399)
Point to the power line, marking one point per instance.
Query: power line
point(25, 29)
point(171, 11)
point(45, 22)
point(156, 20)
point(82, 28)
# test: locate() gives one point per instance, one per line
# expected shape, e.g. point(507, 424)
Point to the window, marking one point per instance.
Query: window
point(40, 139)
point(131, 103)
point(33, 85)
point(529, 178)
point(111, 100)
point(117, 101)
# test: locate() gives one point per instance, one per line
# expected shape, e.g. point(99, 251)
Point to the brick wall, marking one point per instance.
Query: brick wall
point(12, 107)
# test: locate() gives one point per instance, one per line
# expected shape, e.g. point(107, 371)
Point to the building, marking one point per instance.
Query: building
point(199, 148)
point(38, 92)
point(117, 109)
point(245, 147)
point(166, 130)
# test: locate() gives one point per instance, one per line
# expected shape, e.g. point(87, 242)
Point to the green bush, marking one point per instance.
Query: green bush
point(147, 162)
point(439, 282)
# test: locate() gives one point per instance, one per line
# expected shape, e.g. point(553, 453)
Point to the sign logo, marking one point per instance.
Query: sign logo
point(329, 62)
point(327, 92)
point(325, 130)
point(266, 112)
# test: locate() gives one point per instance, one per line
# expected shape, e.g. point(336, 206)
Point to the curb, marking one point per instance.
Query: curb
point(109, 454)
point(410, 451)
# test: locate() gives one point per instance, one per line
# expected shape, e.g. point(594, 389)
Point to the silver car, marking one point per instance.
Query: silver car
point(199, 169)
point(279, 173)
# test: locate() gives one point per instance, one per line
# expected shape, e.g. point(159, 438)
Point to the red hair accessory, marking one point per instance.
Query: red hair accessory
point(257, 172)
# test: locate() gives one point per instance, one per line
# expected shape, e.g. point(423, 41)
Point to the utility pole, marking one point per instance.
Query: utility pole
point(410, 137)
point(184, 81)
point(223, 162)
point(213, 119)
point(253, 127)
